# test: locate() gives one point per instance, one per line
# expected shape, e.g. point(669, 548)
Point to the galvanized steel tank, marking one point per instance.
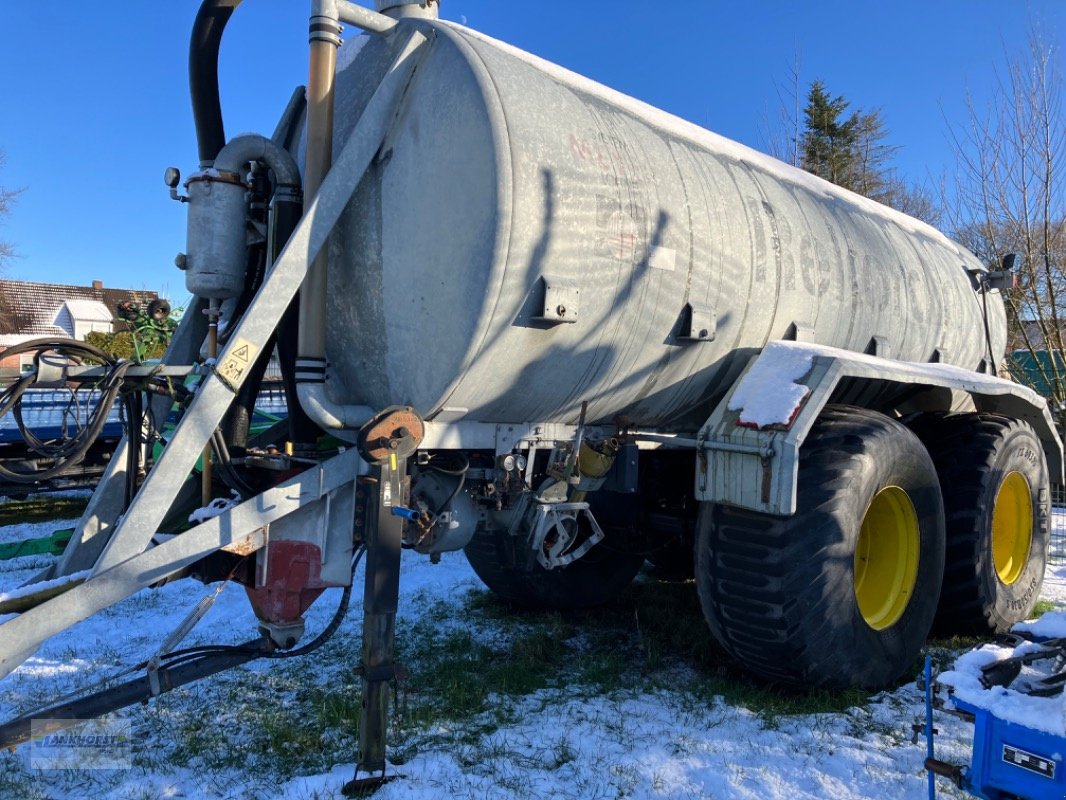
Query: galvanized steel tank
point(528, 239)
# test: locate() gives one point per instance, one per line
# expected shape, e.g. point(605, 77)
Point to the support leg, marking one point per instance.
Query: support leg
point(381, 597)
point(387, 441)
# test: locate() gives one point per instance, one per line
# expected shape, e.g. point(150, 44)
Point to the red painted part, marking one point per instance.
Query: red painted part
point(777, 426)
point(288, 580)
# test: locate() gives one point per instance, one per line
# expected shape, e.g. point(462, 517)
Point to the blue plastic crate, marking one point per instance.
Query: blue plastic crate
point(1011, 760)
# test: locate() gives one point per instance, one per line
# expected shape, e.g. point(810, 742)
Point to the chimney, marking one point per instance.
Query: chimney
point(98, 285)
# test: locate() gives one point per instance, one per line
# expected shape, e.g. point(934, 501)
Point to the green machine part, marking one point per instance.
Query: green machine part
point(44, 545)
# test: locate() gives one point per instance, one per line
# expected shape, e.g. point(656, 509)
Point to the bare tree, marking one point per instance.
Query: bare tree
point(1009, 198)
point(7, 199)
point(782, 135)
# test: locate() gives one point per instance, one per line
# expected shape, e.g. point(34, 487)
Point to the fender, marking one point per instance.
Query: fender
point(748, 449)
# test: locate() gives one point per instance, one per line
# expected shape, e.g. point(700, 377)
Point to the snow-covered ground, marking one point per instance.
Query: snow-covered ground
point(561, 742)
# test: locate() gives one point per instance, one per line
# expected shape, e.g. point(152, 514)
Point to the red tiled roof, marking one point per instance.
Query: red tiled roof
point(30, 308)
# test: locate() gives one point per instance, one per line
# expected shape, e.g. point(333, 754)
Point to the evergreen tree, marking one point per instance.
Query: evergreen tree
point(829, 139)
point(847, 149)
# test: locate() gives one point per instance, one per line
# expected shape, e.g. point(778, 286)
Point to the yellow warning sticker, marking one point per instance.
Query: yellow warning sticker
point(236, 362)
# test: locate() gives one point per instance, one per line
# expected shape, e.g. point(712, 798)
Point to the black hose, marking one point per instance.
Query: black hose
point(10, 397)
point(227, 471)
point(207, 31)
point(459, 472)
point(78, 447)
point(324, 636)
point(287, 208)
point(134, 407)
point(301, 427)
point(168, 677)
point(69, 451)
point(237, 423)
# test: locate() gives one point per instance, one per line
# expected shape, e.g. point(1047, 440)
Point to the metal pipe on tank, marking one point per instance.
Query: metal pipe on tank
point(363, 17)
point(343, 11)
point(253, 147)
point(423, 9)
point(324, 35)
point(325, 39)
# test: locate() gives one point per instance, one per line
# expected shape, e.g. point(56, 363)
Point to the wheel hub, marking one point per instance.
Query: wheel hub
point(1012, 528)
point(886, 558)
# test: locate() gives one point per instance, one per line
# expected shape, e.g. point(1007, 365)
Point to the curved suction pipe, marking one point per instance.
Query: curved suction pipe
point(253, 147)
point(207, 30)
point(328, 415)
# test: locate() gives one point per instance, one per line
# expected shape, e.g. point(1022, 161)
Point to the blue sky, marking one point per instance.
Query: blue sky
point(96, 106)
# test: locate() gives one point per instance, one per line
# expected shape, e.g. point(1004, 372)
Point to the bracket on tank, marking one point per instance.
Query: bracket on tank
point(561, 519)
point(748, 449)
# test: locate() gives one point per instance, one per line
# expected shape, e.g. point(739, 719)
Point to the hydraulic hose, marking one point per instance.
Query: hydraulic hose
point(207, 30)
point(70, 452)
point(138, 690)
point(112, 385)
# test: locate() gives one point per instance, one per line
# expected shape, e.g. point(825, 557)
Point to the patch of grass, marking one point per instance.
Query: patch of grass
point(453, 674)
point(15, 781)
point(41, 508)
point(1044, 606)
point(655, 636)
point(471, 667)
point(946, 649)
point(287, 725)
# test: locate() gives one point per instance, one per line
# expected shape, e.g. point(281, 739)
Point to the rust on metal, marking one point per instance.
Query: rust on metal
point(247, 545)
point(396, 431)
point(216, 176)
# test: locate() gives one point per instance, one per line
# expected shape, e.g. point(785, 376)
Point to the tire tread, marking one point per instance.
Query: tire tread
point(756, 573)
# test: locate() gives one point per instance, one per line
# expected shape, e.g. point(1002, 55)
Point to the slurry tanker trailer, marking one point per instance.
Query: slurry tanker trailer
point(525, 316)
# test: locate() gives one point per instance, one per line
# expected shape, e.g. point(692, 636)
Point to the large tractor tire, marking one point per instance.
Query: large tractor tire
point(505, 565)
point(994, 480)
point(842, 593)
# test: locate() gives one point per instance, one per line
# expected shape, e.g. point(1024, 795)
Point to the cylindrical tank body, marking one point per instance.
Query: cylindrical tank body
point(509, 188)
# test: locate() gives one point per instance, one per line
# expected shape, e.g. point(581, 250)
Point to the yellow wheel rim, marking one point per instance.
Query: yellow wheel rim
point(886, 558)
point(1012, 528)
